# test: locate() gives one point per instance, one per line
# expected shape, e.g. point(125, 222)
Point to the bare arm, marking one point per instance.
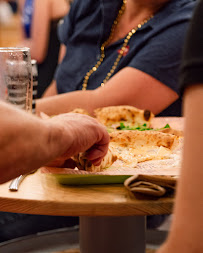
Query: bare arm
point(187, 227)
point(40, 30)
point(51, 90)
point(28, 142)
point(128, 87)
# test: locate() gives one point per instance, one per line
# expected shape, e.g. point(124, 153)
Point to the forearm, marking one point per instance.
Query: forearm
point(187, 229)
point(26, 143)
point(128, 87)
point(63, 103)
point(51, 90)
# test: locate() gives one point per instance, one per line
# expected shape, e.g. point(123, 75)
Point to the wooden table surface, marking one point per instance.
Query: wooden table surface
point(42, 194)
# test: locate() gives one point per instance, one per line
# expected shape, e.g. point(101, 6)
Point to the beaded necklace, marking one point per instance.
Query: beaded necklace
point(121, 52)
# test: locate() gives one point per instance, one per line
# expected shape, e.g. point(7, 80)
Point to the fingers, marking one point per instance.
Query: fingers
point(97, 153)
point(97, 162)
point(69, 164)
point(62, 163)
point(81, 133)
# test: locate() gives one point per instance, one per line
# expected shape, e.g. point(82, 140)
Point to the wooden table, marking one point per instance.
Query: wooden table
point(107, 212)
point(110, 219)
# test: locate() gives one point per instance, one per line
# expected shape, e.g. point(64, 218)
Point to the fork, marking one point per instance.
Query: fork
point(16, 182)
point(14, 185)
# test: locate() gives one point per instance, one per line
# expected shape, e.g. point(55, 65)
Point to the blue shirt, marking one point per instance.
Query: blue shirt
point(154, 49)
point(27, 14)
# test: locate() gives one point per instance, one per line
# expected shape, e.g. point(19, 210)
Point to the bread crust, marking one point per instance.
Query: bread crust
point(128, 114)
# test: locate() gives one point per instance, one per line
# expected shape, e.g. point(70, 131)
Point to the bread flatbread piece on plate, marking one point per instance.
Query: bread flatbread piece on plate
point(127, 148)
point(135, 146)
point(84, 164)
point(114, 115)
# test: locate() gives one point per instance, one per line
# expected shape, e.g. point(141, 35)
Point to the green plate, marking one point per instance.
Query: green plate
point(90, 179)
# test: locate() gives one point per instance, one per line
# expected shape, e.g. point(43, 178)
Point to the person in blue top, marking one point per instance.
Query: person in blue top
point(39, 32)
point(120, 52)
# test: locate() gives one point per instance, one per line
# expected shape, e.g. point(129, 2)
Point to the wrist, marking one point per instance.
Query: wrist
point(59, 139)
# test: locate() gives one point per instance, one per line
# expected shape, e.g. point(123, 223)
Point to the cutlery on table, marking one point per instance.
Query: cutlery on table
point(14, 185)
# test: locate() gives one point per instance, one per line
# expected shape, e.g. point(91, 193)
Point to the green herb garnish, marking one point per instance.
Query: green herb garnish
point(167, 126)
point(140, 128)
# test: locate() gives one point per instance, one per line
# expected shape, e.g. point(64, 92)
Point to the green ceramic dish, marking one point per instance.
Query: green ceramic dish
point(90, 179)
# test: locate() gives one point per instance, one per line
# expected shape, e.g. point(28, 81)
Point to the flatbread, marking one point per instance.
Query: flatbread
point(135, 138)
point(172, 131)
point(127, 148)
point(84, 164)
point(135, 146)
point(114, 115)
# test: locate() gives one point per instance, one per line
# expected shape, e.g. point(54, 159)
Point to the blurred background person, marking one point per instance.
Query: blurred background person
point(9, 24)
point(39, 32)
point(6, 12)
point(14, 5)
point(187, 226)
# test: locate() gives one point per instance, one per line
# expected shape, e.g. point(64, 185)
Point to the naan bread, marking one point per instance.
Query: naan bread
point(114, 115)
point(134, 138)
point(128, 148)
point(172, 131)
point(84, 164)
point(134, 146)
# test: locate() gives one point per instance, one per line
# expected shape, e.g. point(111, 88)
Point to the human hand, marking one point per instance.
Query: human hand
point(79, 133)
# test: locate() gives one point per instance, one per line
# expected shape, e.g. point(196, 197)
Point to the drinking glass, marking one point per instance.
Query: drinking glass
point(16, 76)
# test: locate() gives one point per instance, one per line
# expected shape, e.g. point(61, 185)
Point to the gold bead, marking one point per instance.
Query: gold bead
point(139, 26)
point(102, 84)
point(133, 31)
